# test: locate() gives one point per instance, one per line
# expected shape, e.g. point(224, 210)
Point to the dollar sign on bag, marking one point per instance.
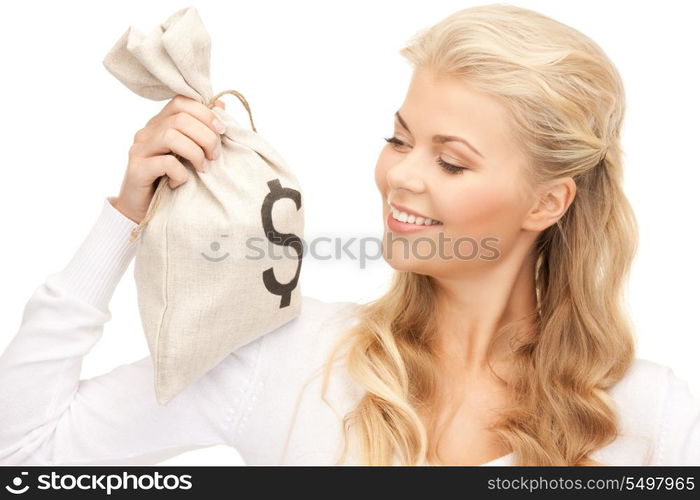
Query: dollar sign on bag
point(277, 192)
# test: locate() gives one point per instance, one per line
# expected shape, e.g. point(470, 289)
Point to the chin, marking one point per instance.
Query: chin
point(398, 260)
point(401, 264)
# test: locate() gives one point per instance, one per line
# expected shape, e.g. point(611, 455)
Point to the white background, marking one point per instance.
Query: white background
point(323, 80)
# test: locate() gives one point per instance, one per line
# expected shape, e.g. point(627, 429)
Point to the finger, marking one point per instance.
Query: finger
point(156, 166)
point(175, 170)
point(180, 103)
point(172, 140)
point(201, 134)
point(220, 104)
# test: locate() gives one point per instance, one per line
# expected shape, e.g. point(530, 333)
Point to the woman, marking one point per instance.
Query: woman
point(502, 339)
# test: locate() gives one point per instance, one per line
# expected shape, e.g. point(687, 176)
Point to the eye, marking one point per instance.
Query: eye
point(395, 141)
point(448, 167)
point(452, 169)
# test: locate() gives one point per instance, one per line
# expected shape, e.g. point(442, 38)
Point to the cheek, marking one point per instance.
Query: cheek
point(488, 209)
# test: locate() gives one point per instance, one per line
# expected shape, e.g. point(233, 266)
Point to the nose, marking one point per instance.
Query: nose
point(407, 173)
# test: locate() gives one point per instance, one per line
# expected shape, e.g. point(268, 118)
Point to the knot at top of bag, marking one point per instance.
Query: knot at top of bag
point(173, 59)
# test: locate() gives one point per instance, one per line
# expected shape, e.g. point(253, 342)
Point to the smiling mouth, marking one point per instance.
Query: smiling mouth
point(403, 214)
point(215, 259)
point(412, 219)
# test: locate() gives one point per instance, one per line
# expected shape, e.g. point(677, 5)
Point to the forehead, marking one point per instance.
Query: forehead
point(441, 104)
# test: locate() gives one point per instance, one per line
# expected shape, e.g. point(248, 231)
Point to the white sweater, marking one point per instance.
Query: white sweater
point(263, 400)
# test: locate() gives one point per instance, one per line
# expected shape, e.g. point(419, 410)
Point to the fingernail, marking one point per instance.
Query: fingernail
point(219, 126)
point(206, 166)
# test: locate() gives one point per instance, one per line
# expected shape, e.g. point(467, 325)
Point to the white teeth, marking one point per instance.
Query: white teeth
point(412, 219)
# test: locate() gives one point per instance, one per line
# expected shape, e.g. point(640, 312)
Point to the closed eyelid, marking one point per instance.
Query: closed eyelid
point(440, 139)
point(453, 161)
point(458, 157)
point(463, 159)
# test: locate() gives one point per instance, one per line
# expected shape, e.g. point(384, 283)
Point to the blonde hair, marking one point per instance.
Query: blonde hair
point(566, 100)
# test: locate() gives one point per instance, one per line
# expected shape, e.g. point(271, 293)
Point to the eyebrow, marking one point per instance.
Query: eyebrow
point(440, 139)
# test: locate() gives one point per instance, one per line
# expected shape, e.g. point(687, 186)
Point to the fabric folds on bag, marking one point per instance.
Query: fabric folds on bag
point(219, 257)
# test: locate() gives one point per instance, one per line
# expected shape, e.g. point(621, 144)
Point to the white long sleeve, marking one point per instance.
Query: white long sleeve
point(49, 416)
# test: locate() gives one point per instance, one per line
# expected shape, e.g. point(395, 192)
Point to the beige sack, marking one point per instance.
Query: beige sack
point(218, 258)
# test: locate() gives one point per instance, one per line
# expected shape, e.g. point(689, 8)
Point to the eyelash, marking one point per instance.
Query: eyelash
point(448, 167)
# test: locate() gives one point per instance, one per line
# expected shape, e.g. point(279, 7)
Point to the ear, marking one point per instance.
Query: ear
point(552, 202)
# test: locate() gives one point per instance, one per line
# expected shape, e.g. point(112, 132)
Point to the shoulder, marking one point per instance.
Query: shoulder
point(658, 413)
point(288, 352)
point(679, 437)
point(645, 380)
point(312, 331)
point(639, 399)
point(651, 385)
point(317, 326)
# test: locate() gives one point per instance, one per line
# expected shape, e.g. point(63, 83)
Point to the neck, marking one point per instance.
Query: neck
point(471, 308)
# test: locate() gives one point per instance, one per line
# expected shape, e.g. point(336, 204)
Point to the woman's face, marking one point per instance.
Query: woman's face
point(481, 202)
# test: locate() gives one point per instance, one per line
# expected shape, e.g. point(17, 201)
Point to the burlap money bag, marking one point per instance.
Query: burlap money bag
point(218, 258)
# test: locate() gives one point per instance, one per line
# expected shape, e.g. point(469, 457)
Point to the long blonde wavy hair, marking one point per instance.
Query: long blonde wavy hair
point(566, 100)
